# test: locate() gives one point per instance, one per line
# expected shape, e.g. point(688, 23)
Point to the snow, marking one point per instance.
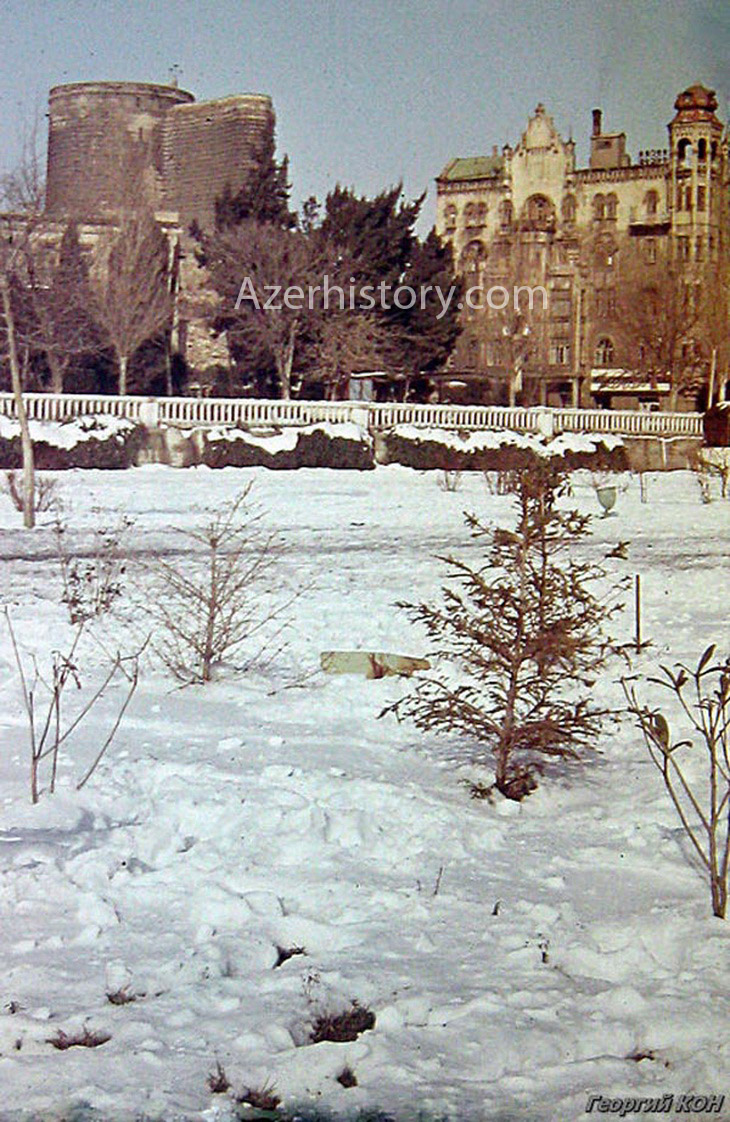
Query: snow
point(478, 441)
point(67, 434)
point(514, 954)
point(287, 439)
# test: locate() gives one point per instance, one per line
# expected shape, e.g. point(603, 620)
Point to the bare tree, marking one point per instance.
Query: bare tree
point(131, 297)
point(8, 262)
point(262, 274)
point(505, 311)
point(23, 189)
point(344, 344)
point(659, 309)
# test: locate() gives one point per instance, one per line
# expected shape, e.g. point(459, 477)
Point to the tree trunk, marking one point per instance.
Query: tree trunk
point(57, 372)
point(25, 441)
point(285, 361)
point(123, 363)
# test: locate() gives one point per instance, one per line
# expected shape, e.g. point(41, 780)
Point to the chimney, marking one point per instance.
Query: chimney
point(596, 122)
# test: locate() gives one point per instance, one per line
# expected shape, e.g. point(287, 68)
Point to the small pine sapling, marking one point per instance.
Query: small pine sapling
point(520, 638)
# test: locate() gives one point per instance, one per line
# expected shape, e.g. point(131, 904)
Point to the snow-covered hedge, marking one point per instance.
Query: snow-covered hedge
point(426, 449)
point(87, 442)
point(328, 445)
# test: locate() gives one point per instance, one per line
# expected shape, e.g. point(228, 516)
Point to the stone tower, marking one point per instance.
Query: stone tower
point(115, 144)
point(697, 169)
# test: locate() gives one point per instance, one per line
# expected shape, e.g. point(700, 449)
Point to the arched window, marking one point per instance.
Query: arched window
point(599, 207)
point(611, 206)
point(605, 252)
point(702, 149)
point(713, 150)
point(539, 213)
point(651, 203)
point(569, 209)
point(604, 352)
point(450, 217)
point(684, 152)
point(481, 214)
point(505, 214)
point(470, 211)
point(473, 259)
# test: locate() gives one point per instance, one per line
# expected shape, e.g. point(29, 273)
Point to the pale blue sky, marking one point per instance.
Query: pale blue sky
point(370, 92)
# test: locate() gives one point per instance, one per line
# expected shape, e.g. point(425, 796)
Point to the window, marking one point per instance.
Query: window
point(559, 353)
point(605, 252)
point(473, 259)
point(702, 149)
point(650, 251)
point(688, 197)
point(505, 214)
point(701, 198)
point(539, 213)
point(569, 209)
point(604, 352)
point(684, 152)
point(611, 206)
point(599, 207)
point(651, 203)
point(683, 249)
point(700, 249)
point(680, 197)
point(450, 217)
point(481, 213)
point(470, 211)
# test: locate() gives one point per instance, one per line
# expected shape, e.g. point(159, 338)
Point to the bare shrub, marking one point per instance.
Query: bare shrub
point(710, 471)
point(218, 1082)
point(92, 584)
point(702, 700)
point(261, 1098)
point(82, 1039)
point(45, 493)
point(342, 1027)
point(207, 607)
point(44, 702)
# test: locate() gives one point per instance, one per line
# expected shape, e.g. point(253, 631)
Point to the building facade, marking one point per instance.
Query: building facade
point(529, 217)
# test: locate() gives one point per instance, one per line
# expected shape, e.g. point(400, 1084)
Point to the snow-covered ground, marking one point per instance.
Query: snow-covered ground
point(518, 957)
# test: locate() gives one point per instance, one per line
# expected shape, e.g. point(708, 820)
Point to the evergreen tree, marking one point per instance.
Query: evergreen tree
point(264, 196)
point(375, 234)
point(426, 332)
point(521, 638)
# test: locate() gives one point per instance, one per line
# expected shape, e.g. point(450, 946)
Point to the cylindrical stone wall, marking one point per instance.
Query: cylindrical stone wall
point(105, 145)
point(208, 145)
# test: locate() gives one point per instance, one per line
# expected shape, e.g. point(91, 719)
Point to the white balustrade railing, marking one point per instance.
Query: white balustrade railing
point(247, 412)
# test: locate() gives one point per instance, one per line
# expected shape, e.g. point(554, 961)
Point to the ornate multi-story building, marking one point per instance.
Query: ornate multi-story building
point(528, 216)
